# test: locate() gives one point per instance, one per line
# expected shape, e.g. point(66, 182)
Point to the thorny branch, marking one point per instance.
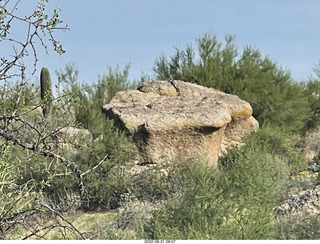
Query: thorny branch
point(31, 219)
point(89, 170)
point(38, 25)
point(64, 219)
point(39, 146)
point(40, 28)
point(21, 217)
point(47, 153)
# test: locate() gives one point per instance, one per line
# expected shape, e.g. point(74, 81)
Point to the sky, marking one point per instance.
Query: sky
point(106, 33)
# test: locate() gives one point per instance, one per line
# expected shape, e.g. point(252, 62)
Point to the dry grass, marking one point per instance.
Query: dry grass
point(85, 223)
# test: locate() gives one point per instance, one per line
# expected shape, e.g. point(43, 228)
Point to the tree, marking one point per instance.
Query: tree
point(39, 24)
point(87, 101)
point(312, 92)
point(29, 155)
point(276, 99)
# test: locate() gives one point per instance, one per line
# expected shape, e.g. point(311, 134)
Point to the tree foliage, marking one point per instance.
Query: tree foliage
point(87, 102)
point(41, 27)
point(276, 99)
point(25, 137)
point(235, 202)
point(312, 92)
point(43, 176)
point(38, 174)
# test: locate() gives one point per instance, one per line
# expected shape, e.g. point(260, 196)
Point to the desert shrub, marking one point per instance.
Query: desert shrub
point(17, 201)
point(156, 182)
point(107, 185)
point(305, 226)
point(277, 141)
point(275, 98)
point(236, 201)
point(175, 219)
point(78, 106)
point(150, 184)
point(26, 93)
point(312, 92)
point(108, 182)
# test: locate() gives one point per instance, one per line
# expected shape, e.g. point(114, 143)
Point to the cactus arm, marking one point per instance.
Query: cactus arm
point(45, 91)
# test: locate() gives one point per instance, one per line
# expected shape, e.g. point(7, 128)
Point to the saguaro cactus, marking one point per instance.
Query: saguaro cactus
point(45, 90)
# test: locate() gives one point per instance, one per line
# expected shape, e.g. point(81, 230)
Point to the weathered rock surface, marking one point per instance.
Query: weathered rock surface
point(305, 201)
point(178, 120)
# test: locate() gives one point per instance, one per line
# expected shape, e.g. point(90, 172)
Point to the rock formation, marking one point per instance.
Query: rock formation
point(177, 120)
point(305, 201)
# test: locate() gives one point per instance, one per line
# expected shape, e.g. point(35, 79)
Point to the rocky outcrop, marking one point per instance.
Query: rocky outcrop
point(305, 201)
point(179, 121)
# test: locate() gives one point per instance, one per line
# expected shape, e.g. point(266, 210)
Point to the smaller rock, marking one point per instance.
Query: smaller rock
point(71, 138)
point(308, 201)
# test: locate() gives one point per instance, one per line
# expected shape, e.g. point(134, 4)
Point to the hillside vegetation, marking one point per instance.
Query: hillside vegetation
point(87, 187)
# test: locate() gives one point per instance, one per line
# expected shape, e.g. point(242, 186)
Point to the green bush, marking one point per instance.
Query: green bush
point(236, 201)
point(278, 142)
point(312, 92)
point(78, 106)
point(107, 183)
point(298, 227)
point(274, 97)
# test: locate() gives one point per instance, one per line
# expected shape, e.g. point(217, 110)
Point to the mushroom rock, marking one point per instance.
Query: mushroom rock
point(176, 120)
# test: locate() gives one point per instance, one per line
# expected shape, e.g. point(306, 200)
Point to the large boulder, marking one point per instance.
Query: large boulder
point(177, 120)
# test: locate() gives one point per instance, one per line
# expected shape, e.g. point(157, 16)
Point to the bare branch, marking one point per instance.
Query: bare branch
point(64, 219)
point(47, 153)
point(36, 231)
point(88, 171)
point(38, 23)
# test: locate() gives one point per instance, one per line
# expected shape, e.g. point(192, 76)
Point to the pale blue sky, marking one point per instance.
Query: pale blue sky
point(107, 33)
